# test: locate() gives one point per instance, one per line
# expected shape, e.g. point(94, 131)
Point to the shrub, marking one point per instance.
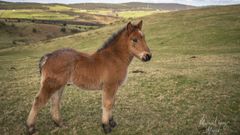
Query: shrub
point(63, 29)
point(34, 30)
point(13, 25)
point(14, 42)
point(2, 24)
point(91, 27)
point(75, 30)
point(49, 36)
point(21, 34)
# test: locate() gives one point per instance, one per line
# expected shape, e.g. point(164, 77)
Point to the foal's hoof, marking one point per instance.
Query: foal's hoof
point(31, 130)
point(106, 128)
point(112, 123)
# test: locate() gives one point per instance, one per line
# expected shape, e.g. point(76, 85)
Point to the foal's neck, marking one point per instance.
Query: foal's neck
point(118, 49)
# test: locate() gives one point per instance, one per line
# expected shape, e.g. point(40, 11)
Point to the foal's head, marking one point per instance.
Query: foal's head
point(136, 42)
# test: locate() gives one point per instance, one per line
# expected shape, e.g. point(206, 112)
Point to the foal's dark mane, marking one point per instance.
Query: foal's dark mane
point(110, 40)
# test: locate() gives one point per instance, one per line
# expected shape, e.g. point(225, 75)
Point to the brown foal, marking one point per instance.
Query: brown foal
point(105, 69)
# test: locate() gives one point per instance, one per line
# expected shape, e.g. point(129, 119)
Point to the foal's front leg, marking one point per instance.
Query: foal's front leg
point(108, 98)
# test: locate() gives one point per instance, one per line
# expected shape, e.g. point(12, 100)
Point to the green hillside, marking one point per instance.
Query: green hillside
point(191, 86)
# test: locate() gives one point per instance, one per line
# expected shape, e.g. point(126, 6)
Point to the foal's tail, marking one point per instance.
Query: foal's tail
point(42, 61)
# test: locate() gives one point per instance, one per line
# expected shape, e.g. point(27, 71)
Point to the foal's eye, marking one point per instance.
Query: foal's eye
point(135, 40)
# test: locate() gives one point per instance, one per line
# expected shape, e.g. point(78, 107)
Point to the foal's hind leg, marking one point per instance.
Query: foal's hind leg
point(48, 87)
point(55, 108)
point(40, 100)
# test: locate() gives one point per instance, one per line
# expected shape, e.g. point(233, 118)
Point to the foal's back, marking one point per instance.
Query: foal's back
point(70, 66)
point(61, 60)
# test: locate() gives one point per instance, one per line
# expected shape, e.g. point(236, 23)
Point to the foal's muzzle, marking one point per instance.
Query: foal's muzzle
point(146, 57)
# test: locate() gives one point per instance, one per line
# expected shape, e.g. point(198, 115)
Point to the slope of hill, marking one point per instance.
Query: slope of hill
point(191, 86)
point(22, 33)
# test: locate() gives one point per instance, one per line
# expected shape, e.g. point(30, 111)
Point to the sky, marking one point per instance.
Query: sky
point(188, 2)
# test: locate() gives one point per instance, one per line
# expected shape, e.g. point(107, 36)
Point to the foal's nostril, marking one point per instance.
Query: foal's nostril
point(147, 57)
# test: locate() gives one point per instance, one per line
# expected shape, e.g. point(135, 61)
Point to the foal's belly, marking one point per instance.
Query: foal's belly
point(87, 84)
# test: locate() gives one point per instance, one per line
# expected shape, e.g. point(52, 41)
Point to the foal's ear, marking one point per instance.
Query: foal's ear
point(139, 25)
point(129, 27)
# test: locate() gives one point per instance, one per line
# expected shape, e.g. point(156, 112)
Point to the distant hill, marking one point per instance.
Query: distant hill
point(26, 5)
point(21, 5)
point(133, 6)
point(92, 6)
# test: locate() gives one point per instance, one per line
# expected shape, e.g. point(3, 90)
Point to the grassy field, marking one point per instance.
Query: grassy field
point(59, 8)
point(122, 14)
point(66, 12)
point(135, 14)
point(80, 10)
point(60, 13)
point(191, 86)
point(34, 14)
